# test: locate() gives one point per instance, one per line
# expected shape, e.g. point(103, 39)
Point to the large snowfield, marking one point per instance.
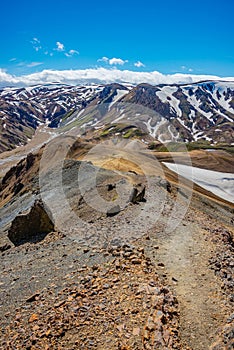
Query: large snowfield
point(221, 184)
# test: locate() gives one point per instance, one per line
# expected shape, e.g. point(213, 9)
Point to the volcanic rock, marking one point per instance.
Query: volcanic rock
point(137, 195)
point(113, 211)
point(32, 225)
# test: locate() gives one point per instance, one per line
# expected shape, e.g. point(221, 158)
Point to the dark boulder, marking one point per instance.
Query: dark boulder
point(32, 225)
point(133, 195)
point(137, 194)
point(165, 184)
point(30, 160)
point(113, 211)
point(110, 187)
point(18, 187)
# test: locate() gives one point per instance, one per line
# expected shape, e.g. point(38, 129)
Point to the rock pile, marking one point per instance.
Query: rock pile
point(118, 305)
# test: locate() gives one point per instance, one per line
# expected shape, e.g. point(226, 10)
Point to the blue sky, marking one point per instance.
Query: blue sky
point(166, 36)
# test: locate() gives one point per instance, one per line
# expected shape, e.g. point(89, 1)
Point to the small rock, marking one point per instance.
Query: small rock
point(141, 250)
point(136, 261)
point(32, 298)
point(127, 254)
point(137, 195)
point(18, 317)
point(113, 211)
point(59, 304)
point(5, 247)
point(146, 335)
point(110, 187)
point(152, 284)
point(120, 327)
point(136, 331)
point(165, 184)
point(47, 333)
point(34, 317)
point(18, 187)
point(150, 326)
point(160, 264)
point(115, 280)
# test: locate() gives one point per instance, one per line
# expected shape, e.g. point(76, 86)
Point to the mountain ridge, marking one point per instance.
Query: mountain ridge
point(203, 110)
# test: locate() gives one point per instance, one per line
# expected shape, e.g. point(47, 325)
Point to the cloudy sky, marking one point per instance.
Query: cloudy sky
point(49, 40)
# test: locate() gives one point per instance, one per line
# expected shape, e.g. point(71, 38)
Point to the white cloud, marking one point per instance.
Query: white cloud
point(103, 59)
point(34, 64)
point(13, 59)
point(71, 53)
point(36, 44)
point(36, 40)
point(60, 46)
point(7, 79)
point(112, 61)
point(186, 68)
point(29, 64)
point(21, 64)
point(116, 61)
point(139, 64)
point(101, 75)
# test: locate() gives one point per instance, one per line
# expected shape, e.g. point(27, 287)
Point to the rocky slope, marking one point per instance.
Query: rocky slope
point(136, 258)
point(166, 112)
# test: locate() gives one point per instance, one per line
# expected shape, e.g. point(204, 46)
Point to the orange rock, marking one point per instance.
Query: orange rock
point(136, 331)
point(48, 332)
point(35, 328)
point(34, 317)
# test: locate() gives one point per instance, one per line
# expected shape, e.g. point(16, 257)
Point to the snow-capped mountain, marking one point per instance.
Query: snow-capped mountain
point(23, 110)
point(203, 110)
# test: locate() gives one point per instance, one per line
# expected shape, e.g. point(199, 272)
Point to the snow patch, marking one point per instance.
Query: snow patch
point(221, 184)
point(120, 93)
point(167, 91)
point(153, 130)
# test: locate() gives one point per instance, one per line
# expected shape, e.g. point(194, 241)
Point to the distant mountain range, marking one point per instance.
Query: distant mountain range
point(190, 112)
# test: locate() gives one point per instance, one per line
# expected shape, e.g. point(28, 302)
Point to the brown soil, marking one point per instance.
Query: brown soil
point(215, 160)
